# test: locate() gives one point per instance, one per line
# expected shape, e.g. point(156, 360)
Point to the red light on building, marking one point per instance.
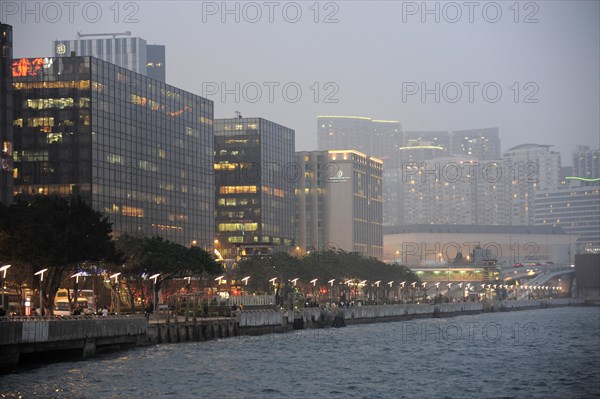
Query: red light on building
point(27, 67)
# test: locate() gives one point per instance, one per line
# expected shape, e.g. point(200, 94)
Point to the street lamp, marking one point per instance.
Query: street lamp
point(294, 281)
point(3, 269)
point(245, 280)
point(155, 278)
point(117, 299)
point(41, 274)
point(76, 276)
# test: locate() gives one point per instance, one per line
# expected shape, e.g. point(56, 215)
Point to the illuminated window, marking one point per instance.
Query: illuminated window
point(237, 190)
point(238, 226)
point(7, 148)
point(114, 159)
point(133, 211)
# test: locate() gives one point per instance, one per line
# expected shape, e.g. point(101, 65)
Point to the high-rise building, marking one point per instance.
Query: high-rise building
point(483, 144)
point(339, 202)
point(576, 210)
point(6, 115)
point(380, 138)
point(255, 176)
point(426, 138)
point(586, 166)
point(132, 53)
point(156, 65)
point(395, 179)
point(528, 169)
point(134, 148)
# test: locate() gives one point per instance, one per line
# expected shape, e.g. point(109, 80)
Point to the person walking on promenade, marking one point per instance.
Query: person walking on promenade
point(149, 310)
point(104, 312)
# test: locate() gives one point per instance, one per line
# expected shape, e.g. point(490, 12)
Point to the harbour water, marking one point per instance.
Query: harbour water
point(549, 353)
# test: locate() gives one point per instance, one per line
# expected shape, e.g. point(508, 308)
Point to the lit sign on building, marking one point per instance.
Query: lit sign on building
point(339, 177)
point(30, 66)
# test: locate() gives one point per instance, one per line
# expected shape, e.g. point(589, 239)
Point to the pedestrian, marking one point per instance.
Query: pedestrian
point(2, 311)
point(148, 310)
point(105, 312)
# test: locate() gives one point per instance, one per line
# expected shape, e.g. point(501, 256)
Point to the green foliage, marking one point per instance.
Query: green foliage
point(157, 255)
point(54, 233)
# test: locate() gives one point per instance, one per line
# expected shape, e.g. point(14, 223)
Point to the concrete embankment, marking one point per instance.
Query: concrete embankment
point(57, 337)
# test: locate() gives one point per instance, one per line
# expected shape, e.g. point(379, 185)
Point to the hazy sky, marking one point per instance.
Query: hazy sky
point(372, 60)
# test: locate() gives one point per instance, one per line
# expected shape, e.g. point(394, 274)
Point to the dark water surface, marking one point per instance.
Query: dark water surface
point(550, 353)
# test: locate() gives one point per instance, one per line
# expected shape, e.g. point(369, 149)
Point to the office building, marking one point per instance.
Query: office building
point(339, 202)
point(136, 149)
point(6, 116)
point(132, 53)
point(255, 176)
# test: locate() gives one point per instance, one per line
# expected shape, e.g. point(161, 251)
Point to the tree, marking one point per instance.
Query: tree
point(143, 257)
point(54, 233)
point(322, 265)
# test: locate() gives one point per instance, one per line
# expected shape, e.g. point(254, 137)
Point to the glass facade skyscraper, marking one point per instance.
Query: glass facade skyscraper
point(135, 148)
point(6, 115)
point(255, 176)
point(132, 53)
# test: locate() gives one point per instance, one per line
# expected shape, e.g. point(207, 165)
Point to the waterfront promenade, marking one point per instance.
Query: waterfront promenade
point(24, 338)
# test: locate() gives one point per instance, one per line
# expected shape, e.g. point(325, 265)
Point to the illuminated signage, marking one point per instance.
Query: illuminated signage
point(339, 177)
point(61, 48)
point(30, 66)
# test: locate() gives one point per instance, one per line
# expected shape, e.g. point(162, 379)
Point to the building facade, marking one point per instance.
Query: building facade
point(132, 53)
point(483, 144)
point(157, 62)
point(529, 169)
point(380, 138)
point(136, 149)
point(576, 210)
point(339, 202)
point(426, 138)
point(6, 115)
point(586, 166)
point(255, 176)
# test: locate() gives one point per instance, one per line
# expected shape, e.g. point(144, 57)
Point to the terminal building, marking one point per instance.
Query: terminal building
point(435, 245)
point(134, 148)
point(254, 177)
point(339, 202)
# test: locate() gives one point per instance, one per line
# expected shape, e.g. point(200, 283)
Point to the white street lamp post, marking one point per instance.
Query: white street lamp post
point(155, 278)
point(117, 299)
point(41, 274)
point(3, 269)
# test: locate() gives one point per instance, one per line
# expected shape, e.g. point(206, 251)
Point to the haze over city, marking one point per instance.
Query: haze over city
point(370, 54)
